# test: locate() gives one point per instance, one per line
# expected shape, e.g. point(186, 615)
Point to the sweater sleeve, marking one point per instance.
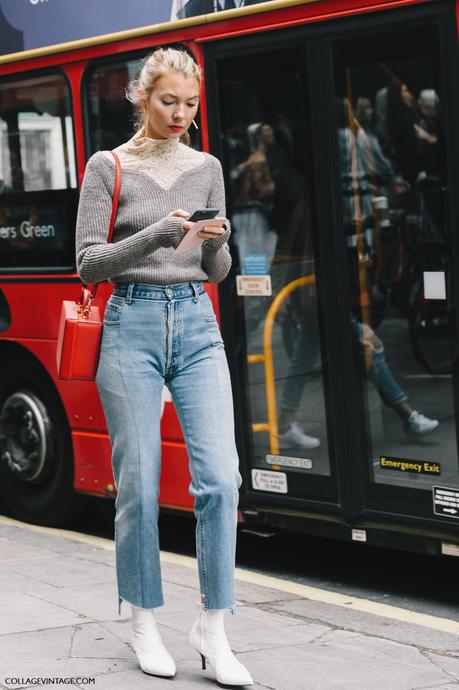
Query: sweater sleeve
point(216, 257)
point(96, 259)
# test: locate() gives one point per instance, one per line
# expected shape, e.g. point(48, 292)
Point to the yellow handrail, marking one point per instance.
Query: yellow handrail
point(266, 358)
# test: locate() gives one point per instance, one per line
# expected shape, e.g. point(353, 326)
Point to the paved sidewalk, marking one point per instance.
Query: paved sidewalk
point(59, 619)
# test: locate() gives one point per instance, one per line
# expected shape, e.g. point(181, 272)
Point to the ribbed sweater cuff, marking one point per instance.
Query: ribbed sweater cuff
point(212, 246)
point(170, 234)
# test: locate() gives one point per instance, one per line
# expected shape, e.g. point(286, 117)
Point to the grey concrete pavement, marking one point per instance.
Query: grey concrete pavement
point(59, 619)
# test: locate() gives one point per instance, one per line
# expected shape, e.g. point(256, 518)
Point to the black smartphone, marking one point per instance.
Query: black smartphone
point(203, 214)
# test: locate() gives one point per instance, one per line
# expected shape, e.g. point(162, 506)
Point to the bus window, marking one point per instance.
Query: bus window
point(110, 115)
point(36, 138)
point(264, 113)
point(37, 174)
point(393, 177)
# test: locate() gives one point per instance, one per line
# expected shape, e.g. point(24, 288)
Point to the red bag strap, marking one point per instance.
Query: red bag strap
point(116, 195)
point(86, 296)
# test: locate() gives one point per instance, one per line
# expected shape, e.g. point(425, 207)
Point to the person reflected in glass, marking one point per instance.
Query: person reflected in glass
point(426, 128)
point(294, 258)
point(378, 166)
point(253, 190)
point(358, 221)
point(379, 174)
point(371, 351)
point(428, 183)
point(401, 120)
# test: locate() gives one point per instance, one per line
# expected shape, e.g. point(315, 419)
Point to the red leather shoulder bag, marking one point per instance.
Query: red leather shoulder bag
point(80, 327)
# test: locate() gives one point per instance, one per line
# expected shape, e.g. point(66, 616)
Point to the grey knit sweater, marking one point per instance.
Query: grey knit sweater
point(157, 176)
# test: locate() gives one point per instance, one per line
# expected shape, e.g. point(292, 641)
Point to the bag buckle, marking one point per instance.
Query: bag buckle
point(83, 306)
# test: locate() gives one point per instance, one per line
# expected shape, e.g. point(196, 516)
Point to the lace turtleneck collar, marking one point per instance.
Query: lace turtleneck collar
point(141, 145)
point(163, 160)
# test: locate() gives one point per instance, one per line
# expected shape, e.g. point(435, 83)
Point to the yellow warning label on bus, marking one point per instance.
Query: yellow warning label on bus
point(402, 465)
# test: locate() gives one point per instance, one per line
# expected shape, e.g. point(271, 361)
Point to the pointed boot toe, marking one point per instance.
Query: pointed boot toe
point(148, 646)
point(155, 661)
point(215, 650)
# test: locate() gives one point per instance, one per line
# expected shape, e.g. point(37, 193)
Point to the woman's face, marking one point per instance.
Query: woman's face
point(173, 101)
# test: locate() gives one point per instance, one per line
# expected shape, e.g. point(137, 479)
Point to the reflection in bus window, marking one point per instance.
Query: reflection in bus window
point(38, 182)
point(36, 135)
point(266, 152)
point(395, 230)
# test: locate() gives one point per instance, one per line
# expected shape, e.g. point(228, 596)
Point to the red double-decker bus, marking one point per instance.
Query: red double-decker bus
point(336, 124)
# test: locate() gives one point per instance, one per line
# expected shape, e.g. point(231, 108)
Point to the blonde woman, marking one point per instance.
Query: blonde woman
point(160, 329)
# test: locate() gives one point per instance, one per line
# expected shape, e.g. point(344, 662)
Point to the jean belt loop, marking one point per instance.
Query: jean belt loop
point(128, 297)
point(196, 293)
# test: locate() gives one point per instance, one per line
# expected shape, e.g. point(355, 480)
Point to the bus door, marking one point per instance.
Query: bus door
point(395, 92)
point(339, 147)
point(277, 310)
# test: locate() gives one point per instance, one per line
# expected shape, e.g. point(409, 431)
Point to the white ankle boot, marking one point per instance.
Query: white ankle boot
point(151, 653)
point(208, 637)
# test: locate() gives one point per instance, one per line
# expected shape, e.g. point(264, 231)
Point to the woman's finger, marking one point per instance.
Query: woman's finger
point(180, 213)
point(210, 231)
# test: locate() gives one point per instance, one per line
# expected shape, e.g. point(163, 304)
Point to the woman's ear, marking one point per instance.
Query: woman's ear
point(141, 97)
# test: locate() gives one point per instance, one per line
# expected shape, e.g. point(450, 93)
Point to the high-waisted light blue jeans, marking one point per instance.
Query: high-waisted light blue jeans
point(155, 335)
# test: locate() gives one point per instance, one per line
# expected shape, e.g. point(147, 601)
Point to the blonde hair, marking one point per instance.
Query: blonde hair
point(161, 61)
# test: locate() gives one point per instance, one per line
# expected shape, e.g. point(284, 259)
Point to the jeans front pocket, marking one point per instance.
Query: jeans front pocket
point(210, 320)
point(112, 315)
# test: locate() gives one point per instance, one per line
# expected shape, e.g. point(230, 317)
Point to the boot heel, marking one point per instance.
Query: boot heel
point(203, 659)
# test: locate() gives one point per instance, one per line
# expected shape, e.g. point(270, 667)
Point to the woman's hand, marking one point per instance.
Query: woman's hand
point(209, 232)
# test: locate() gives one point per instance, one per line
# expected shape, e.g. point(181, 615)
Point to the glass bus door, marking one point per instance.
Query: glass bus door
point(338, 146)
point(395, 137)
point(274, 298)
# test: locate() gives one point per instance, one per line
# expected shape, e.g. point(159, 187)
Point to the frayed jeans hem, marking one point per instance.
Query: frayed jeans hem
point(121, 599)
point(203, 607)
